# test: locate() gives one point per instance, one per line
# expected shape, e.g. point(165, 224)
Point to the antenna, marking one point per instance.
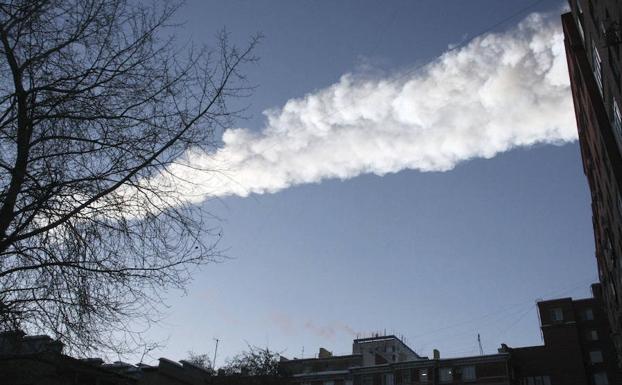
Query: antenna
point(479, 342)
point(215, 352)
point(303, 353)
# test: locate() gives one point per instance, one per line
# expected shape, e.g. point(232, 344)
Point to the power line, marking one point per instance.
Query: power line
point(462, 44)
point(482, 32)
point(503, 333)
point(500, 315)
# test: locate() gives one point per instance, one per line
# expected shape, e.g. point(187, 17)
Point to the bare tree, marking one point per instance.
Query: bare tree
point(253, 362)
point(96, 99)
point(200, 360)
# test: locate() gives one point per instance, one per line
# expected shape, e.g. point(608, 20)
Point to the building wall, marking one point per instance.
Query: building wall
point(592, 322)
point(560, 359)
point(383, 349)
point(488, 369)
point(592, 39)
point(577, 347)
point(312, 365)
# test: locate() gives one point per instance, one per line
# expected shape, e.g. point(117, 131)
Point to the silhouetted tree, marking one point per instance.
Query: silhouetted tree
point(200, 360)
point(253, 362)
point(96, 99)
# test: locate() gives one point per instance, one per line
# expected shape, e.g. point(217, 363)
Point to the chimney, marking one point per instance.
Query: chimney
point(324, 353)
point(436, 354)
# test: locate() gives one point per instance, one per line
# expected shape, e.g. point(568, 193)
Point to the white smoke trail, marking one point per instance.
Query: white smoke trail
point(499, 92)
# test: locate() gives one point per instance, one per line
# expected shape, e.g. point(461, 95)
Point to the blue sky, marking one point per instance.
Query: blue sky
point(434, 256)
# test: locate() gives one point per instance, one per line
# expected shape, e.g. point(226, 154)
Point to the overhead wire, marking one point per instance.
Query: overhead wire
point(485, 30)
point(507, 317)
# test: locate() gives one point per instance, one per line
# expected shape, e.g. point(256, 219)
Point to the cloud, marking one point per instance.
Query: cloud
point(323, 331)
point(329, 331)
point(498, 92)
point(283, 322)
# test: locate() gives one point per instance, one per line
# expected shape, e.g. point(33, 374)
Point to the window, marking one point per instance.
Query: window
point(596, 356)
point(388, 379)
point(617, 120)
point(588, 314)
point(446, 375)
point(596, 67)
point(591, 335)
point(600, 378)
point(423, 375)
point(468, 373)
point(557, 314)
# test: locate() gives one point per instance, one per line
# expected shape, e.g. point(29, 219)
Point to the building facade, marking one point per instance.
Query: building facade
point(593, 43)
point(387, 360)
point(577, 346)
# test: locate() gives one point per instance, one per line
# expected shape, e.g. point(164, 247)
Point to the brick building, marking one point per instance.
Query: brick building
point(577, 346)
point(593, 38)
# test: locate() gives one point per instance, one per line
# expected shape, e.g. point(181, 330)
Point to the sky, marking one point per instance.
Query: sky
point(408, 167)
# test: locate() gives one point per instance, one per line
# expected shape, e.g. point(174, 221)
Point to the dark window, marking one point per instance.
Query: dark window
point(557, 314)
point(468, 373)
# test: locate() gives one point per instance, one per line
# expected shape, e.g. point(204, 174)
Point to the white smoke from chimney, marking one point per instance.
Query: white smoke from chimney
point(500, 91)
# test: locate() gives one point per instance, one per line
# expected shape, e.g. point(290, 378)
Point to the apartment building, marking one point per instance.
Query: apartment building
point(593, 39)
point(387, 360)
point(577, 348)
